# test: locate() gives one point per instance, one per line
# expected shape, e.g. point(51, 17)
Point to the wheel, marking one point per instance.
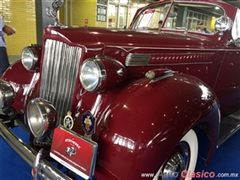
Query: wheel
point(183, 160)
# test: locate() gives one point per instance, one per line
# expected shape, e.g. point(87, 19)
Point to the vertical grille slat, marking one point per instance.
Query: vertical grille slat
point(59, 74)
point(57, 64)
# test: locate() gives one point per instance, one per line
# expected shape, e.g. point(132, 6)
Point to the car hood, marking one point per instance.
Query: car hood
point(99, 37)
point(152, 38)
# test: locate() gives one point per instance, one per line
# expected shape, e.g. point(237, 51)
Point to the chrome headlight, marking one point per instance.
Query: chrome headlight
point(29, 58)
point(41, 117)
point(92, 74)
point(6, 94)
point(224, 23)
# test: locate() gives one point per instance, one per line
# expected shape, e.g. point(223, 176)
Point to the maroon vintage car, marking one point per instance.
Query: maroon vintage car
point(119, 103)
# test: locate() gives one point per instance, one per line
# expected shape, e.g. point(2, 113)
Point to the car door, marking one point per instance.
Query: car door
point(227, 85)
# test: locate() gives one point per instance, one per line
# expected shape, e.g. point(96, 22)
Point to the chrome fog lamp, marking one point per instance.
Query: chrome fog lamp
point(92, 74)
point(6, 95)
point(41, 117)
point(29, 58)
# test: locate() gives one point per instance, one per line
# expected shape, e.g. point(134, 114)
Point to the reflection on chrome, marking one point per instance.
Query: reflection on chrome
point(150, 142)
point(123, 141)
point(205, 92)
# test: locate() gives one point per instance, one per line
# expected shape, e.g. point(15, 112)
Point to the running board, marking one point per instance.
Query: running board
point(229, 125)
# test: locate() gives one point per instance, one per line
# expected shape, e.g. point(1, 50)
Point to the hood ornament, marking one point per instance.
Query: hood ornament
point(52, 13)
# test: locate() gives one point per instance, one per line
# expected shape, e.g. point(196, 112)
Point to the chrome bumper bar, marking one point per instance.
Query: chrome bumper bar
point(28, 154)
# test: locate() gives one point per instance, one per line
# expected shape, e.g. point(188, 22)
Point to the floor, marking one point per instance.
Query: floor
point(225, 163)
point(12, 59)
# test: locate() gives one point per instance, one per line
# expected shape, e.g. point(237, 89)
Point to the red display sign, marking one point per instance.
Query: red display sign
point(75, 152)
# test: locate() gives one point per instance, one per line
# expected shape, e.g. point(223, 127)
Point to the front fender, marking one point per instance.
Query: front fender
point(22, 82)
point(147, 120)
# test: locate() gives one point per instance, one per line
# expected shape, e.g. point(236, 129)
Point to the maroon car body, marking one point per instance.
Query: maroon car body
point(156, 85)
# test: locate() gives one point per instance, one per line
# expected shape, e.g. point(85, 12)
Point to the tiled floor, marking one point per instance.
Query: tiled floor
point(13, 59)
point(224, 163)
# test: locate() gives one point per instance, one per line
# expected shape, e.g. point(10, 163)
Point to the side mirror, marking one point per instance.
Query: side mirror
point(223, 24)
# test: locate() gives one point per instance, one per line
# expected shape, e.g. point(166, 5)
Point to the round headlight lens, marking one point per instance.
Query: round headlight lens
point(91, 75)
point(29, 58)
point(41, 116)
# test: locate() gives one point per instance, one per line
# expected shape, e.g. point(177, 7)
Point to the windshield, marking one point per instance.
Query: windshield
point(150, 17)
point(196, 17)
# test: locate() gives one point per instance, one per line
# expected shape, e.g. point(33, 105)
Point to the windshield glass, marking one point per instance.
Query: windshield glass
point(150, 17)
point(191, 16)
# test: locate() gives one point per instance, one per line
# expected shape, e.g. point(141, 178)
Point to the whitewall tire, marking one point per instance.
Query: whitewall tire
point(183, 160)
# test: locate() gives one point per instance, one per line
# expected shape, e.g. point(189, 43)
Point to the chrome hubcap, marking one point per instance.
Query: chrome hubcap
point(177, 163)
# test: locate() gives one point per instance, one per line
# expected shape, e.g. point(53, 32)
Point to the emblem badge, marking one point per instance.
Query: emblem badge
point(70, 151)
point(68, 121)
point(88, 123)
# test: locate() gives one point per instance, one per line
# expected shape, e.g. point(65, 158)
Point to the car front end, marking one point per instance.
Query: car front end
point(128, 99)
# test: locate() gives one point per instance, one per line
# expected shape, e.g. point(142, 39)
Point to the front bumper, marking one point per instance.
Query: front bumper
point(28, 154)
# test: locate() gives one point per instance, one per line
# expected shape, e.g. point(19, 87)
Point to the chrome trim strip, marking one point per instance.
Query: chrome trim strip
point(45, 169)
point(159, 59)
point(99, 56)
point(137, 59)
point(30, 87)
point(173, 64)
point(130, 48)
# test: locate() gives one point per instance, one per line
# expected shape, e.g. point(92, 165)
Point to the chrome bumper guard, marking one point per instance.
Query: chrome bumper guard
point(44, 169)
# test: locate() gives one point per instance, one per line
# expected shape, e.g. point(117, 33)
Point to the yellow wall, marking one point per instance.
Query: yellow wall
point(213, 23)
point(19, 14)
point(81, 10)
point(85, 9)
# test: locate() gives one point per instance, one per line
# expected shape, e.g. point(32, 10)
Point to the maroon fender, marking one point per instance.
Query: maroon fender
point(22, 82)
point(147, 120)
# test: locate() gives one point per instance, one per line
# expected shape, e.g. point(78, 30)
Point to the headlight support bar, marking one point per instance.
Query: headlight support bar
point(28, 154)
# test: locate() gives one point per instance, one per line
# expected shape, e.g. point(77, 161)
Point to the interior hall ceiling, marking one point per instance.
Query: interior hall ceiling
point(234, 2)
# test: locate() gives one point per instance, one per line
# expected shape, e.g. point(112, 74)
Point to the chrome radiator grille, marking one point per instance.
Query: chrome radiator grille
point(59, 73)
